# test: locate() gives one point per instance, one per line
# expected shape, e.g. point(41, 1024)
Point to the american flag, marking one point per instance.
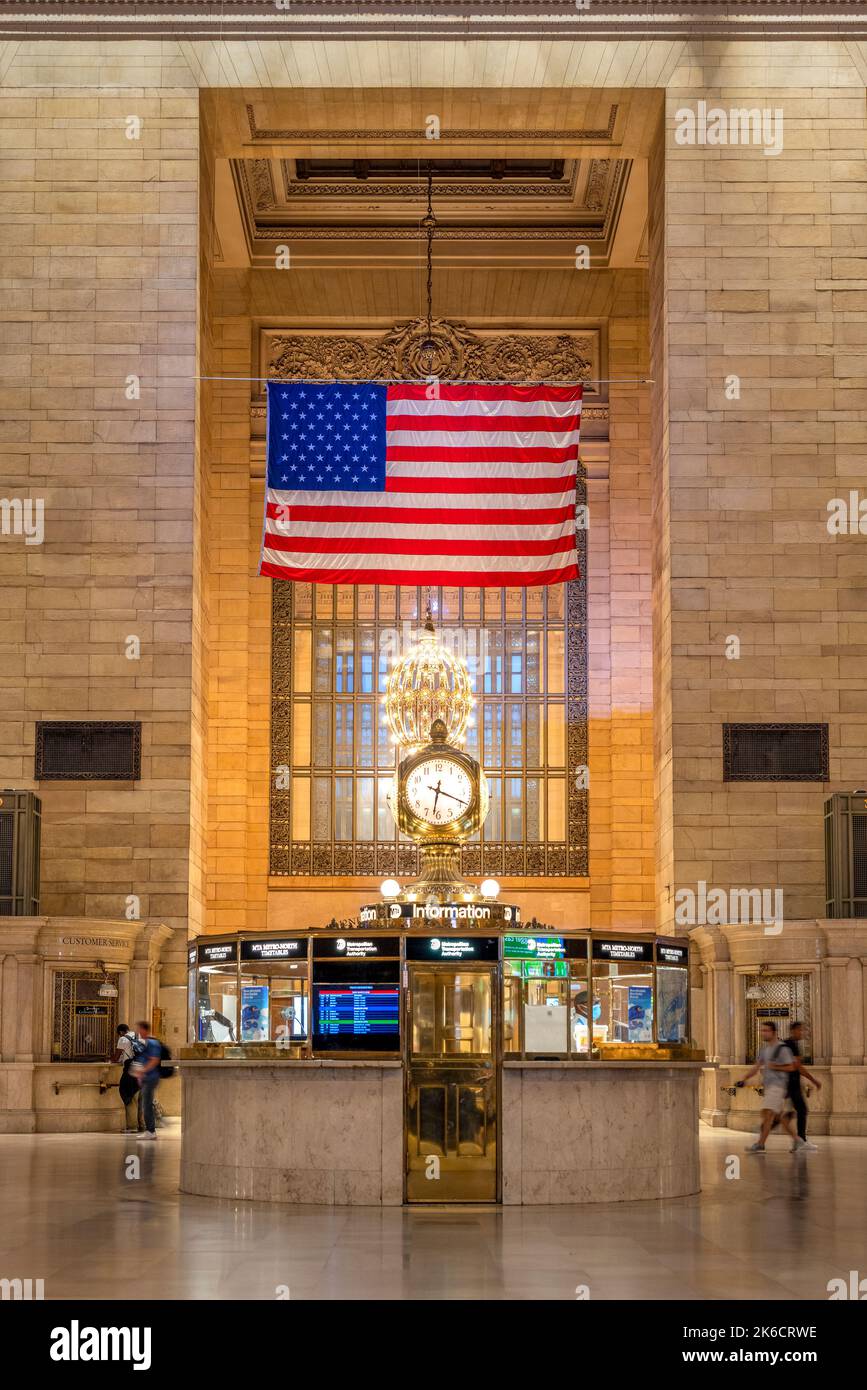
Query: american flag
point(470, 484)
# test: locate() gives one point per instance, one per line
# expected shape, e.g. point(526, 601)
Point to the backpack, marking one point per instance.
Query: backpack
point(165, 1056)
point(135, 1048)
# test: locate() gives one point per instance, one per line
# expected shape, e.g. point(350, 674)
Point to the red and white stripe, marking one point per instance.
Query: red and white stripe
point(480, 490)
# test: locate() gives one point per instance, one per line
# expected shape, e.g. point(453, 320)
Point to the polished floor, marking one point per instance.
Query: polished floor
point(70, 1215)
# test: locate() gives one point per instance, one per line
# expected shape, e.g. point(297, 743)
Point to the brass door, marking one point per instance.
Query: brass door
point(451, 1084)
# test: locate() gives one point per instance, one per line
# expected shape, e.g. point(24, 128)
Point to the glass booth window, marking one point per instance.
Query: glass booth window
point(217, 1011)
point(545, 996)
point(622, 1000)
point(274, 1006)
point(672, 987)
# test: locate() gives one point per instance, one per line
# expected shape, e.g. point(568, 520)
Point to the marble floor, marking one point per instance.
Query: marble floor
point(70, 1215)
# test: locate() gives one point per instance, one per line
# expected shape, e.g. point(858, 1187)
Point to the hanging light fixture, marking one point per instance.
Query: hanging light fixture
point(106, 990)
point(428, 683)
point(756, 991)
point(427, 353)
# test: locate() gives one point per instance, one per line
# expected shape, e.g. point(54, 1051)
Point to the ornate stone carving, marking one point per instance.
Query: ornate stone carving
point(461, 354)
point(597, 183)
point(261, 184)
point(464, 190)
point(283, 232)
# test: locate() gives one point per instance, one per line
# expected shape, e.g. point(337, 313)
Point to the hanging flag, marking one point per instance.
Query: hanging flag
point(373, 484)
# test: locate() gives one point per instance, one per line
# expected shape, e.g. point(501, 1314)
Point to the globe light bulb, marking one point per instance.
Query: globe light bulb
point(389, 888)
point(490, 888)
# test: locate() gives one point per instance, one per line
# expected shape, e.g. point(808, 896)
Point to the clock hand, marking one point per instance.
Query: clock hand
point(437, 797)
point(450, 795)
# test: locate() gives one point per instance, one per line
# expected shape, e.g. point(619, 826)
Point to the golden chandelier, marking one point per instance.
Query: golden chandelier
point(427, 683)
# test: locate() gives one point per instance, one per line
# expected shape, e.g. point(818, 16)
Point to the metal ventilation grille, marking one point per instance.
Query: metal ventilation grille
point(85, 750)
point(859, 863)
point(7, 849)
point(775, 752)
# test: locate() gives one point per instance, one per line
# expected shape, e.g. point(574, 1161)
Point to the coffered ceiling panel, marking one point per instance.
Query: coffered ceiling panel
point(483, 206)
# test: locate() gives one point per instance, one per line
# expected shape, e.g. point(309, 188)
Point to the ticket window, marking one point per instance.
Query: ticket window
point(217, 1004)
point(536, 1010)
point(545, 997)
point(275, 1004)
point(672, 1000)
point(622, 1002)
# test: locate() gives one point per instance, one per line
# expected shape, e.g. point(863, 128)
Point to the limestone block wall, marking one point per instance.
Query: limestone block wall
point(762, 279)
point(98, 184)
point(620, 637)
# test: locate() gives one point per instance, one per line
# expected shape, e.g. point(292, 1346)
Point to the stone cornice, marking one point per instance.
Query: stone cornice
point(460, 19)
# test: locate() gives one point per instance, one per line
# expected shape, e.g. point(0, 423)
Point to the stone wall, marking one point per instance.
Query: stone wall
point(761, 277)
point(766, 281)
point(97, 245)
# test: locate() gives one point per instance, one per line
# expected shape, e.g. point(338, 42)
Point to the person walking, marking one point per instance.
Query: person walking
point(775, 1059)
point(126, 1052)
point(149, 1078)
point(794, 1043)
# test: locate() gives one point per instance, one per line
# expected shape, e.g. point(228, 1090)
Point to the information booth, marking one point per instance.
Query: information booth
point(484, 1025)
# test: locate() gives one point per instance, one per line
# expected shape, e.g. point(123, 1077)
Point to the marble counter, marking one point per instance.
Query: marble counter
point(331, 1132)
point(599, 1131)
point(320, 1132)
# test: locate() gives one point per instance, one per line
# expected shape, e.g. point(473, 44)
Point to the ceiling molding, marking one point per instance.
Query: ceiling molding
point(355, 135)
point(458, 19)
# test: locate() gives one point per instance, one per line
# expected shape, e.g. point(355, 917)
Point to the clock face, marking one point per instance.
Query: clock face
point(439, 791)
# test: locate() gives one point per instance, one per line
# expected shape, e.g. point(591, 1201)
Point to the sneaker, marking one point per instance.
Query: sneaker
point(805, 1147)
point(129, 1131)
point(146, 1134)
point(755, 1149)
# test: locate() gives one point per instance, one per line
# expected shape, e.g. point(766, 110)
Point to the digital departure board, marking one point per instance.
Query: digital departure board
point(356, 1017)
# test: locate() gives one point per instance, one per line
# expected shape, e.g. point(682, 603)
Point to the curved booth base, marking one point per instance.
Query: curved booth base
point(332, 1132)
point(320, 1132)
point(599, 1132)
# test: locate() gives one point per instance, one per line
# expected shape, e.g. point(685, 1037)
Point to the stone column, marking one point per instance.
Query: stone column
point(721, 1033)
point(27, 1008)
point(8, 979)
point(855, 1011)
point(838, 998)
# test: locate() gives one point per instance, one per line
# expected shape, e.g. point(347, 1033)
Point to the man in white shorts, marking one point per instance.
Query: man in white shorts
point(775, 1059)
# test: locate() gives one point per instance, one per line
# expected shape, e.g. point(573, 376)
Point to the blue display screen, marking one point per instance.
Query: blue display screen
point(350, 1012)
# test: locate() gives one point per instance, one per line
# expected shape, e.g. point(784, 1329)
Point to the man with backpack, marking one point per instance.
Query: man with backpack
point(149, 1077)
point(126, 1052)
point(794, 1043)
point(775, 1059)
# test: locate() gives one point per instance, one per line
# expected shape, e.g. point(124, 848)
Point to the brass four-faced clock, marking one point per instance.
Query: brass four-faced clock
point(441, 801)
